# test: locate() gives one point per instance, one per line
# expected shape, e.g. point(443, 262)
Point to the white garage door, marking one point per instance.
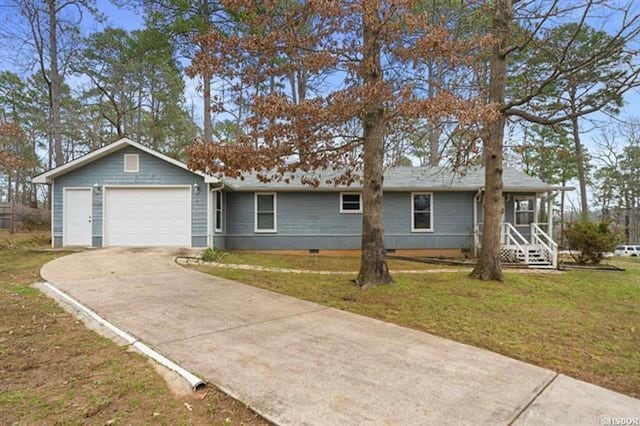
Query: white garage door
point(145, 217)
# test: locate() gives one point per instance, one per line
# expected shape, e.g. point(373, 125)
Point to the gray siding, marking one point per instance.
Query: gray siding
point(312, 220)
point(109, 170)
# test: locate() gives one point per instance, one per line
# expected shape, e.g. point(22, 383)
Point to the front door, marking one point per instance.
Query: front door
point(77, 217)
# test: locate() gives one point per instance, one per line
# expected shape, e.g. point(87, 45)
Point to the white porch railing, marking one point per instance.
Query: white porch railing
point(550, 247)
point(511, 237)
point(539, 250)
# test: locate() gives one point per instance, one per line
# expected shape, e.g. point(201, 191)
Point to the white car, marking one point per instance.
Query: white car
point(629, 251)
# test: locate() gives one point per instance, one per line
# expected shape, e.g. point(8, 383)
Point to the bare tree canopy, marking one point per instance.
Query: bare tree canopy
point(323, 83)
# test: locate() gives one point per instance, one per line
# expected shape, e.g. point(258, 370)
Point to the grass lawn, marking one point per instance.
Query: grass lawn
point(54, 370)
point(583, 324)
point(315, 263)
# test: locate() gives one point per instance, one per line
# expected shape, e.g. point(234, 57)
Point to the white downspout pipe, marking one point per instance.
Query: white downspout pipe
point(194, 381)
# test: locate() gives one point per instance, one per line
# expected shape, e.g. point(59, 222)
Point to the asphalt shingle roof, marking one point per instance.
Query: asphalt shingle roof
point(401, 179)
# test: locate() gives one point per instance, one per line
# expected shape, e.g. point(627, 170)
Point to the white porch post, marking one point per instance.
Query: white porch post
point(550, 215)
point(209, 213)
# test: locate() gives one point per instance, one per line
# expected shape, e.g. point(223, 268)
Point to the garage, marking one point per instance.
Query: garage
point(147, 216)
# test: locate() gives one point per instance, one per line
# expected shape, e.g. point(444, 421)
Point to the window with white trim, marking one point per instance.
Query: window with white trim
point(524, 209)
point(131, 163)
point(350, 202)
point(218, 211)
point(266, 212)
point(421, 211)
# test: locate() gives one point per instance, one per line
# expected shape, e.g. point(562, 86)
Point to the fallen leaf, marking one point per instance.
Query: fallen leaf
point(188, 406)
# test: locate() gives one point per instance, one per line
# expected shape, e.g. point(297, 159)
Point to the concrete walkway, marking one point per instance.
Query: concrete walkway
point(297, 362)
point(245, 267)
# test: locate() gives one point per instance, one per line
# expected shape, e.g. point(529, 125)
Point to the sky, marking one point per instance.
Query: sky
point(131, 20)
point(116, 17)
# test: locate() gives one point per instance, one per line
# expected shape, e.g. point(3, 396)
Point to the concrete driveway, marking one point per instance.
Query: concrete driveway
point(297, 362)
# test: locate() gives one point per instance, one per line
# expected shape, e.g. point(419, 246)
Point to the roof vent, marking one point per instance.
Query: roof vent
point(131, 163)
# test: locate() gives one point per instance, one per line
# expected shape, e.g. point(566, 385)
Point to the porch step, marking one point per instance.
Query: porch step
point(537, 258)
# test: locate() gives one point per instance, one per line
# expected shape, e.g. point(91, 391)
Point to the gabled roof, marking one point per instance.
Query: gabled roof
point(402, 179)
point(395, 179)
point(47, 176)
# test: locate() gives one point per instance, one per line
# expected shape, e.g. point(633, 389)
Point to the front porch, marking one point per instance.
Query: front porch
point(527, 229)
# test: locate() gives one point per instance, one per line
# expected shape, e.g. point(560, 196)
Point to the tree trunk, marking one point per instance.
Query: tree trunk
point(9, 188)
point(434, 127)
point(373, 264)
point(139, 131)
point(206, 81)
point(488, 266)
point(627, 219)
point(56, 126)
point(562, 203)
point(580, 163)
point(16, 188)
point(207, 123)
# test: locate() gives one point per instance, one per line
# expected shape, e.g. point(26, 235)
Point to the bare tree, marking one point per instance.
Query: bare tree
point(47, 33)
point(535, 19)
point(360, 61)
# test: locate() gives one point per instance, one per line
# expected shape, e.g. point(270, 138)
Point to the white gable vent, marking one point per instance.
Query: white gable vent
point(131, 163)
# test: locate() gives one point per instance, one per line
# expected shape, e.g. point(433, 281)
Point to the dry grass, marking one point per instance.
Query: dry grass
point(20, 239)
point(583, 324)
point(54, 370)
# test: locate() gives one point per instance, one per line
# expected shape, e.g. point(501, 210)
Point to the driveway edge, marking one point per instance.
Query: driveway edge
point(194, 381)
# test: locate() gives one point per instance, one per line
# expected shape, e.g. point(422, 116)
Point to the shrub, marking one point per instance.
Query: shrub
point(212, 255)
point(591, 240)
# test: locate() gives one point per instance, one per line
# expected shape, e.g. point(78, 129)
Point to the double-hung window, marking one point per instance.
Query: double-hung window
point(421, 212)
point(350, 202)
point(218, 211)
point(525, 209)
point(266, 212)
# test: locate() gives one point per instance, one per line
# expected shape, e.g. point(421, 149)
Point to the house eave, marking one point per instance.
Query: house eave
point(300, 188)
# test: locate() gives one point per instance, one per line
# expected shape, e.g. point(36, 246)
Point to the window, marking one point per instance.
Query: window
point(265, 208)
point(350, 202)
point(131, 163)
point(525, 210)
point(218, 211)
point(421, 212)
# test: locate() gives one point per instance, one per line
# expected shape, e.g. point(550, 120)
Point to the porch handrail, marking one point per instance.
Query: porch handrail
point(551, 246)
point(535, 229)
point(511, 235)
